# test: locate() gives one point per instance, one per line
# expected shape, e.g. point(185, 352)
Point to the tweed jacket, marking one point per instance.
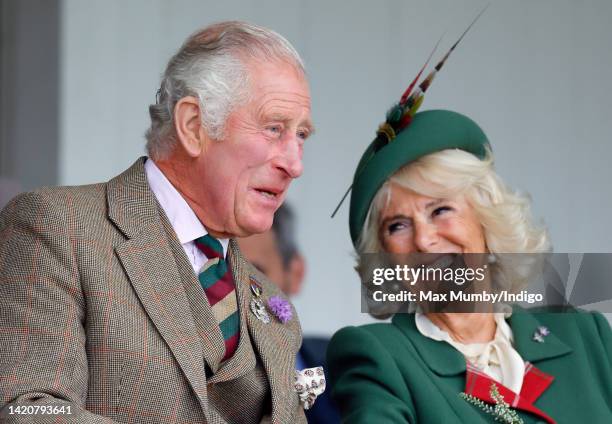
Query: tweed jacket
point(100, 311)
point(391, 373)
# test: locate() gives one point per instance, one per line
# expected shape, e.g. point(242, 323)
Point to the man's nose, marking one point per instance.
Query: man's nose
point(289, 159)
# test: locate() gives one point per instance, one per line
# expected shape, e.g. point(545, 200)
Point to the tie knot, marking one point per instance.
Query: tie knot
point(210, 246)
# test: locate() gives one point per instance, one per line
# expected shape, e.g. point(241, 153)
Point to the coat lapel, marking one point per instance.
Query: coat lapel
point(439, 356)
point(524, 324)
point(206, 324)
point(150, 264)
point(272, 342)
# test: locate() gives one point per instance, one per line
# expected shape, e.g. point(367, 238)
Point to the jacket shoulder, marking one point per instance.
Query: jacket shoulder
point(47, 202)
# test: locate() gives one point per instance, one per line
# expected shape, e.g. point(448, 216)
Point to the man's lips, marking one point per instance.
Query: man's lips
point(270, 191)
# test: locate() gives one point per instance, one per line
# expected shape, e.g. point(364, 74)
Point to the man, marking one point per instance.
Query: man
point(275, 254)
point(129, 301)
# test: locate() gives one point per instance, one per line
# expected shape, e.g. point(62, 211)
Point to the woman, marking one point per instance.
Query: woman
point(429, 187)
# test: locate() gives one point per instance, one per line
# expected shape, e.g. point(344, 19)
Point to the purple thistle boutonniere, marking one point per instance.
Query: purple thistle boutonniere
point(281, 308)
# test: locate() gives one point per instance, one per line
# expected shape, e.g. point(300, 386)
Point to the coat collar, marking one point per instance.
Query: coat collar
point(131, 203)
point(524, 324)
point(445, 360)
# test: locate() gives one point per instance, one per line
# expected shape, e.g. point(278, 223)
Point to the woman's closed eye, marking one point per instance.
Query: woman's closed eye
point(396, 226)
point(441, 210)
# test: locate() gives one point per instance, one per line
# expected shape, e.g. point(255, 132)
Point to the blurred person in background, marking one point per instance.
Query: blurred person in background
point(129, 301)
point(275, 253)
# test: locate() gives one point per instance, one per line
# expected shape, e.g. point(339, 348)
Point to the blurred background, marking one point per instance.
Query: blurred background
point(77, 76)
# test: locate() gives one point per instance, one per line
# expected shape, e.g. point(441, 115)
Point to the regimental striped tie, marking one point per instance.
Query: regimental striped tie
point(218, 283)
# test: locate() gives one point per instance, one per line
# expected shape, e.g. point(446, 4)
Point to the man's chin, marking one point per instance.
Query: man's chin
point(256, 224)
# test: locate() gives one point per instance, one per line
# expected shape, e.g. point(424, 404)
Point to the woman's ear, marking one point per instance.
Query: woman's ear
point(188, 126)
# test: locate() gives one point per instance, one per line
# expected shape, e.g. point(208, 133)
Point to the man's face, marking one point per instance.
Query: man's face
point(246, 175)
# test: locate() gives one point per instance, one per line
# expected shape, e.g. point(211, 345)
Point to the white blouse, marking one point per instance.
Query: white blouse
point(497, 358)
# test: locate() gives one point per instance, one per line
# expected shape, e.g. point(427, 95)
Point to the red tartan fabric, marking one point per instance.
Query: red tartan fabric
point(535, 382)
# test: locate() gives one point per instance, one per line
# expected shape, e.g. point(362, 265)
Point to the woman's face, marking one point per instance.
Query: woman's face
point(415, 223)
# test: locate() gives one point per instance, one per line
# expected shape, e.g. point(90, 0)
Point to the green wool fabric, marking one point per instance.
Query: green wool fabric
point(391, 373)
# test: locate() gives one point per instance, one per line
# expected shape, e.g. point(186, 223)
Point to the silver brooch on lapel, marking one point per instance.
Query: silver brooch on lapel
point(309, 383)
point(257, 306)
point(540, 333)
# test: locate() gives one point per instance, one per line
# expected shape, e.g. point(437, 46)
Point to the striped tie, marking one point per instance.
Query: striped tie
point(218, 283)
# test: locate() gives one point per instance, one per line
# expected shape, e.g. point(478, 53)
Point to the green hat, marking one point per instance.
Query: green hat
point(406, 136)
point(428, 132)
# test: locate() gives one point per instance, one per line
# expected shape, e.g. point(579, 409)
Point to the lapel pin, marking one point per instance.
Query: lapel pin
point(540, 333)
point(257, 306)
point(543, 331)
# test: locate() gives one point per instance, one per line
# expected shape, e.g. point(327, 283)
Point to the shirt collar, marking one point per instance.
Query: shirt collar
point(429, 329)
point(184, 221)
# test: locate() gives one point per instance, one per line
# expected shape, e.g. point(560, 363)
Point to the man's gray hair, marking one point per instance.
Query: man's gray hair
point(210, 65)
point(283, 228)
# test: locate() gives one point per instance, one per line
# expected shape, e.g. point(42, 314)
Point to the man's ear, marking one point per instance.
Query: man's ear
point(295, 275)
point(188, 126)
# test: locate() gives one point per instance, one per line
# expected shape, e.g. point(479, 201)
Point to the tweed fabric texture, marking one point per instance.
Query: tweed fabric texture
point(101, 311)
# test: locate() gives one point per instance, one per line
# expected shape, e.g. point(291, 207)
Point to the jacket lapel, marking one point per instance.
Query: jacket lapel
point(206, 324)
point(272, 342)
point(439, 356)
point(524, 324)
point(150, 264)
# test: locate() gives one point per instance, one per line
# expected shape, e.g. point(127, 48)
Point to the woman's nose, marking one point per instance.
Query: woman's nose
point(425, 236)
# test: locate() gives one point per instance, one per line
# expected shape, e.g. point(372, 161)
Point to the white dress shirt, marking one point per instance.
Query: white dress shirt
point(497, 358)
point(184, 221)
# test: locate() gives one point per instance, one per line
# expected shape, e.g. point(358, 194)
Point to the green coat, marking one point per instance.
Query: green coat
point(391, 373)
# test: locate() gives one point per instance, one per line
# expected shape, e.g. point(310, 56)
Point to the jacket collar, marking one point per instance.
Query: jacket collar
point(445, 360)
point(524, 324)
point(131, 203)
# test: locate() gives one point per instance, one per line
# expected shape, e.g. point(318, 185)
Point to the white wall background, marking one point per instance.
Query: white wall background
point(534, 74)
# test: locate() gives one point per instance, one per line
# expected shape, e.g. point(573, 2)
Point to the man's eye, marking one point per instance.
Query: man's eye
point(274, 130)
point(303, 134)
point(441, 210)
